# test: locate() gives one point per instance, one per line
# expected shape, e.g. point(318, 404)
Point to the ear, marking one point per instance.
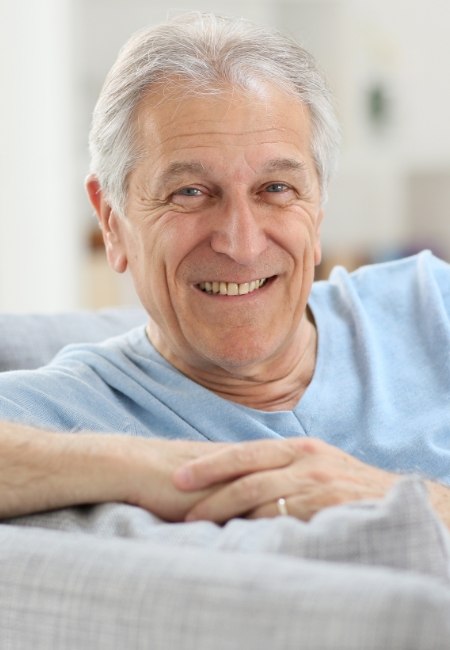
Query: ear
point(111, 225)
point(318, 245)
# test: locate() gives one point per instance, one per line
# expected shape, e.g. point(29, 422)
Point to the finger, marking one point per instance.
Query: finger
point(294, 506)
point(235, 461)
point(242, 496)
point(311, 497)
point(272, 509)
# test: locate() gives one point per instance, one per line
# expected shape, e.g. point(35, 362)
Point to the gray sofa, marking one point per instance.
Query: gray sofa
point(365, 576)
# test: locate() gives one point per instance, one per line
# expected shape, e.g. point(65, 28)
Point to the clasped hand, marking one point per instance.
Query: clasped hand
point(247, 479)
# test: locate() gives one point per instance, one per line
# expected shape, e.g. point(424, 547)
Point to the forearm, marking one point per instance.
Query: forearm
point(42, 470)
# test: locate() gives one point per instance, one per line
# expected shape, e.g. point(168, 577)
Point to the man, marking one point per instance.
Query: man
point(212, 144)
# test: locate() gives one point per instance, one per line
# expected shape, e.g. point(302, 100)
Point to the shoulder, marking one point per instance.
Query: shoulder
point(421, 278)
point(422, 266)
point(403, 301)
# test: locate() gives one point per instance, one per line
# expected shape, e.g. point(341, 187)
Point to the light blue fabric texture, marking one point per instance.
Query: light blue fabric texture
point(380, 390)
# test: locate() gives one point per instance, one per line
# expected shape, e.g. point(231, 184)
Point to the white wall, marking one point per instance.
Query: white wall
point(39, 237)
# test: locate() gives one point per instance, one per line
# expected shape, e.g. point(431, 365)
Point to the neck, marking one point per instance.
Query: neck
point(276, 385)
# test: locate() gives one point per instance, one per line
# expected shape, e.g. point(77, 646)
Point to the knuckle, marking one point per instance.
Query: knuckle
point(335, 498)
point(249, 490)
point(307, 445)
point(319, 475)
point(200, 470)
point(284, 450)
point(251, 455)
point(244, 455)
point(315, 446)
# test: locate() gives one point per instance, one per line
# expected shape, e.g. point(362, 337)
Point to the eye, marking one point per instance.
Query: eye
point(277, 187)
point(189, 197)
point(188, 191)
point(278, 194)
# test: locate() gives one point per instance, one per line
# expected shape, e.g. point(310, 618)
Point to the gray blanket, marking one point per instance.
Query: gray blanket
point(364, 576)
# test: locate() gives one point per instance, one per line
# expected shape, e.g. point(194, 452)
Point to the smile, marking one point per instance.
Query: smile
point(232, 288)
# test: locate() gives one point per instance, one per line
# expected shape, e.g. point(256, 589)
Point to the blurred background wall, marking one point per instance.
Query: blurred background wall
point(386, 60)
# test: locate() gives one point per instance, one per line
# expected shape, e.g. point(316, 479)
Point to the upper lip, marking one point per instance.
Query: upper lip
point(259, 279)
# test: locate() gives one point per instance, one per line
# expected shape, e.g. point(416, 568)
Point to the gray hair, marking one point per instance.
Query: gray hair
point(208, 52)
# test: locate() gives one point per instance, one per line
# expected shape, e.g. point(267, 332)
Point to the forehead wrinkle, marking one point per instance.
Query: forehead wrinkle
point(165, 132)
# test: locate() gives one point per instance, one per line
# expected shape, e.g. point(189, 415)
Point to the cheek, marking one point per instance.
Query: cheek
point(182, 246)
point(298, 239)
point(141, 261)
point(157, 255)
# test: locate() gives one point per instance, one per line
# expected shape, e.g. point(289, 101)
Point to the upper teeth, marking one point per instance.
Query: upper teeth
point(231, 288)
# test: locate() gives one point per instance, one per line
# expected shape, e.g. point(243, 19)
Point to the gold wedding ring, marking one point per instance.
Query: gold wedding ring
point(282, 507)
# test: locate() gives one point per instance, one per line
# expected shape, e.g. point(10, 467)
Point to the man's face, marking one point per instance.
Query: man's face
point(221, 227)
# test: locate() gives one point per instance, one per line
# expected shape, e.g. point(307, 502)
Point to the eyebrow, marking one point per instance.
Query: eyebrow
point(178, 169)
point(284, 164)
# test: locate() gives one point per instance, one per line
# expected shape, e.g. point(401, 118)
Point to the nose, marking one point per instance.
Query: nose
point(238, 232)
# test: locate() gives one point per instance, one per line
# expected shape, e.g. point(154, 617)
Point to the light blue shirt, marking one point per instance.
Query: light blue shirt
point(380, 390)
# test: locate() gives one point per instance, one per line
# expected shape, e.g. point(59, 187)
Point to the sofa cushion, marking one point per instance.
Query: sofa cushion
point(32, 340)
